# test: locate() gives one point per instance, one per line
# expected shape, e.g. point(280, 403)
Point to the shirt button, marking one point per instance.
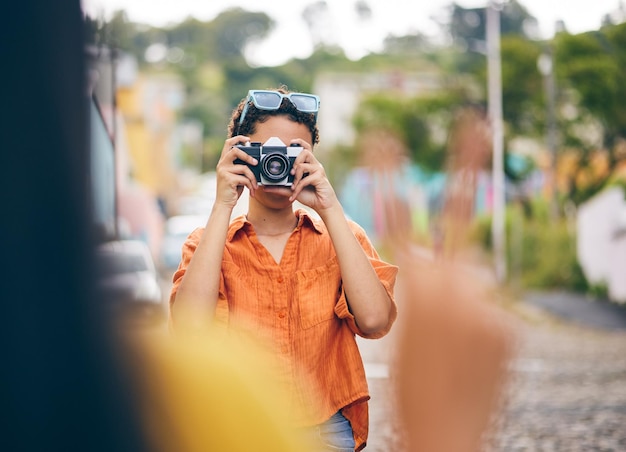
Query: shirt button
point(280, 279)
point(281, 315)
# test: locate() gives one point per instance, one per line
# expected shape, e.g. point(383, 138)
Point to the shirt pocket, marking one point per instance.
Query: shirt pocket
point(317, 292)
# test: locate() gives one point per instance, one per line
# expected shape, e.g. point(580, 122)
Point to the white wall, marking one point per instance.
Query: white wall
point(617, 267)
point(601, 241)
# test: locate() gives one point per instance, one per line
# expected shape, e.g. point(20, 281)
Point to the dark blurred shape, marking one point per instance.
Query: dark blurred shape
point(61, 385)
point(363, 10)
point(129, 283)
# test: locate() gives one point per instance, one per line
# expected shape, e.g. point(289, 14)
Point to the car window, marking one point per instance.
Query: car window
point(112, 263)
point(102, 173)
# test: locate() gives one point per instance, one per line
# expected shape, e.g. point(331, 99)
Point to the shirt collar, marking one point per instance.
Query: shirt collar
point(304, 219)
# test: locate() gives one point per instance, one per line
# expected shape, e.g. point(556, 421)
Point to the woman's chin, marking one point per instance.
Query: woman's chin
point(277, 190)
point(276, 197)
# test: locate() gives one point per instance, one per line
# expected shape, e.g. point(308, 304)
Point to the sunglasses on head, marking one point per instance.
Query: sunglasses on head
point(271, 100)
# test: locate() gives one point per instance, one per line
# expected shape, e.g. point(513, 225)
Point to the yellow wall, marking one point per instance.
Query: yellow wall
point(149, 121)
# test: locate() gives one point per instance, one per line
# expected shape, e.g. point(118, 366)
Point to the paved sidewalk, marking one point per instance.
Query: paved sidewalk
point(377, 355)
point(567, 389)
point(580, 309)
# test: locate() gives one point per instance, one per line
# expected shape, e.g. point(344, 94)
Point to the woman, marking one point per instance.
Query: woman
point(304, 285)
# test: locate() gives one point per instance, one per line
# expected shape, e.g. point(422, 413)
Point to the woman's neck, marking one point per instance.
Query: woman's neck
point(271, 222)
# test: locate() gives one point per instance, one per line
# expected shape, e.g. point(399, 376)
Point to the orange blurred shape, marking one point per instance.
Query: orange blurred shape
point(453, 353)
point(454, 342)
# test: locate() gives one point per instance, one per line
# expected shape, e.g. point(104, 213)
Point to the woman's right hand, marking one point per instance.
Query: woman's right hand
point(232, 177)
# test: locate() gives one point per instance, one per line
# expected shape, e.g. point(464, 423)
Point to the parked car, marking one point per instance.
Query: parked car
point(177, 228)
point(129, 282)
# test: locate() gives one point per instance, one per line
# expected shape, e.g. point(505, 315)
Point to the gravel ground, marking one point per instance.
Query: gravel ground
point(566, 392)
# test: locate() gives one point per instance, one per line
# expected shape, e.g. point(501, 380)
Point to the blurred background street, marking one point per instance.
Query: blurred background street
point(548, 215)
point(113, 123)
point(548, 211)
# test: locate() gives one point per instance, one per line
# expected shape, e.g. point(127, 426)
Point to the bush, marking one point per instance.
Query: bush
point(541, 252)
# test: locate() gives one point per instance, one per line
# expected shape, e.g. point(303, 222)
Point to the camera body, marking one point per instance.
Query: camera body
point(275, 161)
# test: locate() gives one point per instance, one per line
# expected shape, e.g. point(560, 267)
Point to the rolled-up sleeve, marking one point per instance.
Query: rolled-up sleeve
point(189, 247)
point(386, 273)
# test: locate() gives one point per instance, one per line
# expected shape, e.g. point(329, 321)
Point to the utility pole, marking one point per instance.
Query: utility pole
point(545, 63)
point(494, 90)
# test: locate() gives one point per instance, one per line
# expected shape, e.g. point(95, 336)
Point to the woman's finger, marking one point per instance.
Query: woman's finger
point(302, 143)
point(233, 141)
point(304, 170)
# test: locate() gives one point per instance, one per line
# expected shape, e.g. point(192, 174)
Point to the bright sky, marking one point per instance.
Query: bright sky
point(291, 37)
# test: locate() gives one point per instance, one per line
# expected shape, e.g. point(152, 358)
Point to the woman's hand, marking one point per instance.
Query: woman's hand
point(310, 186)
point(231, 176)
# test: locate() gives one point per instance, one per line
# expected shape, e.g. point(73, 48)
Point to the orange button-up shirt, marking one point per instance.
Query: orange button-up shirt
point(299, 305)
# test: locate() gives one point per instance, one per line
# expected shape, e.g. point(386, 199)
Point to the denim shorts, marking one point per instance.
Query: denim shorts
point(335, 435)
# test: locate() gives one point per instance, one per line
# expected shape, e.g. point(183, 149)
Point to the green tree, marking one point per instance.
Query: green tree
point(235, 28)
point(468, 25)
point(117, 32)
point(523, 99)
point(593, 64)
point(422, 123)
point(467, 29)
point(590, 68)
point(195, 37)
point(411, 44)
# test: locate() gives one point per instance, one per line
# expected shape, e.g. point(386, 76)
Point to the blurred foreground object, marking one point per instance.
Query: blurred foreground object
point(211, 392)
point(453, 351)
point(454, 343)
point(61, 384)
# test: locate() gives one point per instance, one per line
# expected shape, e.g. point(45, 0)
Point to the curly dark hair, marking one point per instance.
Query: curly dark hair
point(255, 116)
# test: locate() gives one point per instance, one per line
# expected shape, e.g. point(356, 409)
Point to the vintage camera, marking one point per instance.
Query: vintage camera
point(275, 161)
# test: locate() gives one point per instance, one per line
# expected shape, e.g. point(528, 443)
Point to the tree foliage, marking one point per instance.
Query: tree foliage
point(413, 43)
point(467, 26)
point(223, 38)
point(422, 123)
point(235, 28)
point(593, 64)
point(523, 95)
point(590, 67)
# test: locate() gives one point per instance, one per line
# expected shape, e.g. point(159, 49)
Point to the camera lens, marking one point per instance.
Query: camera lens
point(275, 167)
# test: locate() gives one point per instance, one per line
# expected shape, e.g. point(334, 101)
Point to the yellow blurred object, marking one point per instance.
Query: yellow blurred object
point(205, 393)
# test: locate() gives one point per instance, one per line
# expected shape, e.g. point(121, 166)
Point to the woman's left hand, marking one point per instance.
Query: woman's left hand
point(310, 186)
